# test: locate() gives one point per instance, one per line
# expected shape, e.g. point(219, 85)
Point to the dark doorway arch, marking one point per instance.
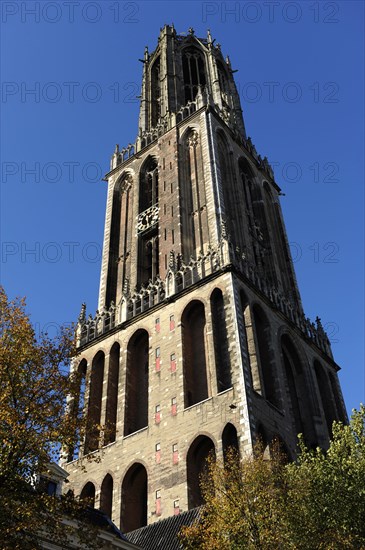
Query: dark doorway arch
point(298, 391)
point(106, 495)
point(136, 394)
point(112, 395)
point(88, 494)
point(134, 499)
point(195, 367)
point(325, 393)
point(221, 349)
point(265, 356)
point(196, 463)
point(229, 440)
point(92, 438)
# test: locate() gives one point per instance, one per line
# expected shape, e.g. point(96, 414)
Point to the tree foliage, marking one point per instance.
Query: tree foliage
point(34, 424)
point(317, 502)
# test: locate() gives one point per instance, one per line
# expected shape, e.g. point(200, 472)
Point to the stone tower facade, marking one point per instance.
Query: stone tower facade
point(200, 341)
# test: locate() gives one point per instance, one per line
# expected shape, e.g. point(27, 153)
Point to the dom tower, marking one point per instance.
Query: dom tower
point(200, 341)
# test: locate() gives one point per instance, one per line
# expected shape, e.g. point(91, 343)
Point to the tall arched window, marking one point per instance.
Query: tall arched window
point(250, 344)
point(77, 406)
point(326, 397)
point(147, 224)
point(195, 367)
point(265, 356)
point(136, 393)
point(221, 347)
point(106, 495)
point(155, 92)
point(134, 499)
point(120, 235)
point(301, 408)
point(232, 213)
point(194, 225)
point(229, 440)
point(196, 463)
point(340, 413)
point(92, 439)
point(187, 198)
point(112, 395)
point(88, 494)
point(193, 72)
point(261, 233)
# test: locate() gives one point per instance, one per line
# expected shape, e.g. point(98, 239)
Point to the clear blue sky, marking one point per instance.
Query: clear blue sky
point(301, 79)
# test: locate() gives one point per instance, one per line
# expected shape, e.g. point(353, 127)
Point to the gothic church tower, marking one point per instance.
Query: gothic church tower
point(200, 341)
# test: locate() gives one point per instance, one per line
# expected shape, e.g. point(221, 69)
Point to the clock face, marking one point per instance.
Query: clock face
point(147, 219)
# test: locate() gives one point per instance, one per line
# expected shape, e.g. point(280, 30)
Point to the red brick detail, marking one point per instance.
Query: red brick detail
point(157, 417)
point(158, 364)
point(176, 511)
point(173, 366)
point(158, 506)
point(175, 457)
point(172, 324)
point(174, 409)
point(158, 457)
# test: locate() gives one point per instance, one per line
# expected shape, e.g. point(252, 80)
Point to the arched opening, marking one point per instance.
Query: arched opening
point(250, 343)
point(120, 234)
point(148, 184)
point(265, 356)
point(77, 407)
point(261, 233)
point(325, 393)
point(229, 440)
point(106, 495)
point(340, 414)
point(136, 394)
point(87, 494)
point(194, 229)
point(193, 72)
point(195, 367)
point(187, 200)
point(111, 286)
point(301, 409)
point(147, 226)
point(233, 216)
point(134, 499)
point(247, 179)
point(92, 438)
point(196, 463)
point(223, 84)
point(221, 348)
point(155, 93)
point(112, 395)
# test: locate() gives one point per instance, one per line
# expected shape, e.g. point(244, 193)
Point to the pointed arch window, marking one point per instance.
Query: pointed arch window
point(196, 464)
point(155, 92)
point(92, 439)
point(136, 393)
point(147, 222)
point(221, 346)
point(134, 499)
point(265, 356)
point(195, 367)
point(194, 72)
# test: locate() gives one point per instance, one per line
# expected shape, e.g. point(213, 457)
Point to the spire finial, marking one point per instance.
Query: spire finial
point(191, 31)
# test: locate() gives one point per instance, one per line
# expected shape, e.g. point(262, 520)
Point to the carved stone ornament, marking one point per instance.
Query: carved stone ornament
point(127, 183)
point(193, 139)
